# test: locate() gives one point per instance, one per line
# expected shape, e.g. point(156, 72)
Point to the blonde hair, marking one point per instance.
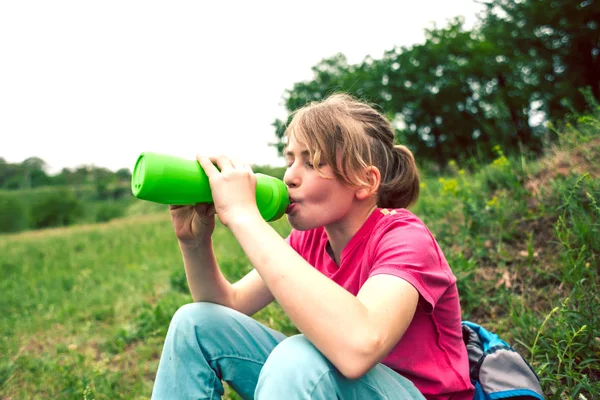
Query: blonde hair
point(363, 137)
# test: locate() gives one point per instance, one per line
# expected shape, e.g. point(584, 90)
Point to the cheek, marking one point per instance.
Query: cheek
point(322, 205)
point(321, 195)
point(323, 191)
point(330, 201)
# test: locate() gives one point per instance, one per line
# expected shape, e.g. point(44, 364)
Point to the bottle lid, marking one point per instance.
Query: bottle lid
point(282, 205)
point(272, 197)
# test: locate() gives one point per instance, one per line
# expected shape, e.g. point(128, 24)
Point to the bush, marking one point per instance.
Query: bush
point(276, 172)
point(109, 210)
point(13, 213)
point(55, 208)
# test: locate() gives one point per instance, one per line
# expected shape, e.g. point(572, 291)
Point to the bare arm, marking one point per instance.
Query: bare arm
point(353, 340)
point(207, 282)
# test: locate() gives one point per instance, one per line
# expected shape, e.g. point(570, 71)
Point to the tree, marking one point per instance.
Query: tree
point(34, 173)
point(464, 91)
point(554, 44)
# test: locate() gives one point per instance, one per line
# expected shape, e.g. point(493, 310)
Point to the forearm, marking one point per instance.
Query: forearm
point(334, 320)
point(205, 280)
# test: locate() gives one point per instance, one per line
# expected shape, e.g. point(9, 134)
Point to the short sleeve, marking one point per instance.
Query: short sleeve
point(406, 249)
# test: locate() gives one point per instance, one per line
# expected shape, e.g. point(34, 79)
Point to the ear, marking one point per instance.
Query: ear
point(373, 178)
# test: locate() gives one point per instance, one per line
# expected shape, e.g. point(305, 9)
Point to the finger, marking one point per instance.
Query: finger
point(211, 210)
point(239, 164)
point(224, 163)
point(207, 165)
point(204, 209)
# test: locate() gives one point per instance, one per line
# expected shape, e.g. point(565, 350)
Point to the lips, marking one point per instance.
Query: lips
point(291, 206)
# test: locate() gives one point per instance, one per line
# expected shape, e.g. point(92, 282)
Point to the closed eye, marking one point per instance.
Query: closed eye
point(311, 165)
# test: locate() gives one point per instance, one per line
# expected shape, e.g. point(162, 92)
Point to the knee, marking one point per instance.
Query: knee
point(295, 359)
point(199, 317)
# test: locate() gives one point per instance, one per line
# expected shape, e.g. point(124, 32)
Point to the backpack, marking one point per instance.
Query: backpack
point(497, 371)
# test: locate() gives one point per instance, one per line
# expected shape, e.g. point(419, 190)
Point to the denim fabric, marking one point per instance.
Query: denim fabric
point(208, 343)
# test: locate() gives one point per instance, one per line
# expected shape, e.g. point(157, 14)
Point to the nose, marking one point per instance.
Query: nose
point(291, 177)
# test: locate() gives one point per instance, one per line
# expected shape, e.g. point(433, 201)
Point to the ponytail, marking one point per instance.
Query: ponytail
point(400, 184)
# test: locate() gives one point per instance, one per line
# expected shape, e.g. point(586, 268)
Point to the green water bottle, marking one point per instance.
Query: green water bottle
point(168, 179)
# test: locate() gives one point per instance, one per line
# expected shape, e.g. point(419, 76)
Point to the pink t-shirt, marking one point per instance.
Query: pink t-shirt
point(431, 353)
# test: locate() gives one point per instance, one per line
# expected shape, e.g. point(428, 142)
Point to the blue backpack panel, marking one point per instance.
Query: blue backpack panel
point(497, 370)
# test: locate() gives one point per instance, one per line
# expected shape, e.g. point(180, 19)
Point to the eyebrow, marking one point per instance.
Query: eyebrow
point(289, 153)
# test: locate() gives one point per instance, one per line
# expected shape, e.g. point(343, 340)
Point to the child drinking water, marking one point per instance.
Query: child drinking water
point(360, 276)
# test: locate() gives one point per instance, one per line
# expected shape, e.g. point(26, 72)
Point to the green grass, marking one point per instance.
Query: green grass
point(84, 309)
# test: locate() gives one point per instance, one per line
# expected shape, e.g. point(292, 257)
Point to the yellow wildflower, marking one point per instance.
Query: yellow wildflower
point(450, 186)
point(493, 202)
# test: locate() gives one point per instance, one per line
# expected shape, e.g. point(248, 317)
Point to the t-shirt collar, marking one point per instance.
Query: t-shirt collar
point(366, 227)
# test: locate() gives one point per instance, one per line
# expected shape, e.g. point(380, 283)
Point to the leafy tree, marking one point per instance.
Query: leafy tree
point(554, 45)
point(34, 172)
point(30, 173)
point(123, 175)
point(464, 91)
point(436, 90)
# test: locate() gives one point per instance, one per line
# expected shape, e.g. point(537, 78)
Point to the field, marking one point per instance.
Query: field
point(84, 309)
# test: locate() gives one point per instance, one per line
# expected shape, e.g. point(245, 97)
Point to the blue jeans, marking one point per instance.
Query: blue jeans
point(208, 343)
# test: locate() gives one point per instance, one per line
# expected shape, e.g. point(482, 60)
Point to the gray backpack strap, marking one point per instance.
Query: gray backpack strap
point(474, 345)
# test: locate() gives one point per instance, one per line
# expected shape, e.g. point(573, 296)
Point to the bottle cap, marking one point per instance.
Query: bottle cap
point(272, 197)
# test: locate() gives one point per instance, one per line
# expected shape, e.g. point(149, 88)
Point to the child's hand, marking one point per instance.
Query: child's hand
point(233, 188)
point(193, 225)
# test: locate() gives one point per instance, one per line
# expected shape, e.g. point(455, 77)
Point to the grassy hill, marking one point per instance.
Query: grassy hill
point(84, 309)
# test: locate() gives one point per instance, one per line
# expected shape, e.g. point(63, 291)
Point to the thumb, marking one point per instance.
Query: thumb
point(211, 210)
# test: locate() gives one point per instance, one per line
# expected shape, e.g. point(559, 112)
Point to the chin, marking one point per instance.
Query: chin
point(297, 226)
point(300, 225)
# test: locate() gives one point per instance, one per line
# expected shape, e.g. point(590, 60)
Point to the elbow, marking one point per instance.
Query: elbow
point(361, 358)
point(356, 368)
point(354, 372)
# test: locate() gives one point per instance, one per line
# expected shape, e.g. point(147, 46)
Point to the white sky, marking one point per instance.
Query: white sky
point(99, 82)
